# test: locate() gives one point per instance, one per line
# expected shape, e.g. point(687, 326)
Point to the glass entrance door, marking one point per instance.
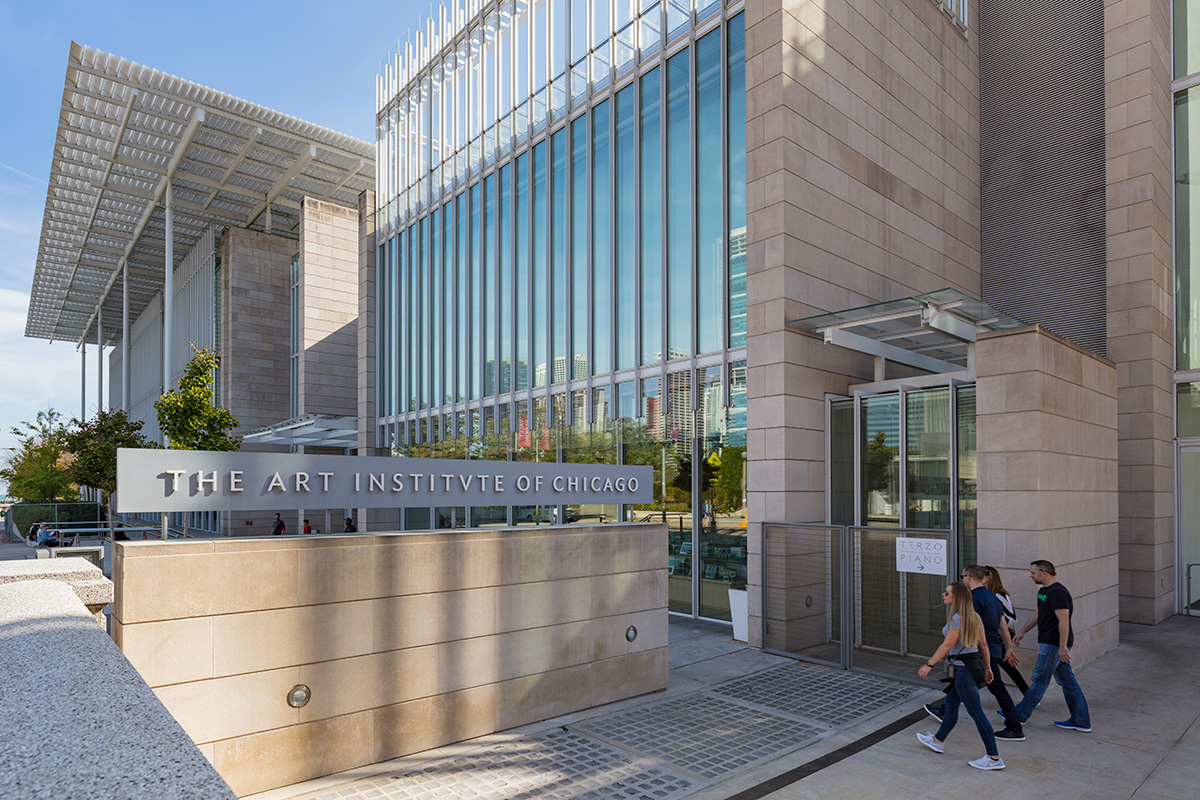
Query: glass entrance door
point(1189, 527)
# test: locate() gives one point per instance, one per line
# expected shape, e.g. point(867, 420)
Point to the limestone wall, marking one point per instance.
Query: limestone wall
point(255, 345)
point(329, 264)
point(1047, 444)
point(1141, 297)
point(862, 158)
point(407, 641)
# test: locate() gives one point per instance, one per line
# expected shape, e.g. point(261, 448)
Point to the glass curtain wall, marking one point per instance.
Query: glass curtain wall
point(562, 266)
point(1186, 30)
point(938, 462)
point(906, 461)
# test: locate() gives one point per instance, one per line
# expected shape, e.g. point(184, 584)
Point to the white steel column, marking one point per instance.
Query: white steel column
point(168, 289)
point(83, 378)
point(125, 369)
point(99, 359)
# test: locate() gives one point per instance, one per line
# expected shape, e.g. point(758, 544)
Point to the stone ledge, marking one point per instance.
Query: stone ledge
point(87, 581)
point(87, 703)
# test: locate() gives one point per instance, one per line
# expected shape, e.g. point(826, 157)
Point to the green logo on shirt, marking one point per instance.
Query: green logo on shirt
point(1042, 596)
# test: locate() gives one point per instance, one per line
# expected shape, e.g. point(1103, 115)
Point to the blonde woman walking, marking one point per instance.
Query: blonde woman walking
point(964, 642)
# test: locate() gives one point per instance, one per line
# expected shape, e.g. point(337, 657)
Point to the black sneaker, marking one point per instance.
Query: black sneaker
point(1009, 735)
point(936, 713)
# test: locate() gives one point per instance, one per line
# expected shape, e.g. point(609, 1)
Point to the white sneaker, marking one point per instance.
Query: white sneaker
point(933, 744)
point(987, 762)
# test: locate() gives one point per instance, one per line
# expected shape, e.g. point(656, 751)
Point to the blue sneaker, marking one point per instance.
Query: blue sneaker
point(1001, 713)
point(1067, 725)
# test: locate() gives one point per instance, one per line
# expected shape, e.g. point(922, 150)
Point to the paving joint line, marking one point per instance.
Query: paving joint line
point(829, 759)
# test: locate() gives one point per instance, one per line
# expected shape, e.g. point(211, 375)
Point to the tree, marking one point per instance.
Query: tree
point(882, 463)
point(727, 485)
point(93, 445)
point(36, 471)
point(187, 416)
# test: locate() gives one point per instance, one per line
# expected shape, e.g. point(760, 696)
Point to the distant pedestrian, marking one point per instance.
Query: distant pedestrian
point(307, 527)
point(1010, 662)
point(965, 640)
point(1055, 640)
point(350, 526)
point(278, 527)
point(34, 528)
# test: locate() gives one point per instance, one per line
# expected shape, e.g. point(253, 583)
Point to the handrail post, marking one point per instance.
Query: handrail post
point(846, 551)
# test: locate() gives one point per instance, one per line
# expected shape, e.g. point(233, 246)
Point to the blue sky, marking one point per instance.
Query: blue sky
point(314, 60)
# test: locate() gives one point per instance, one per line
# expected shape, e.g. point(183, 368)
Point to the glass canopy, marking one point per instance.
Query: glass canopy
point(931, 331)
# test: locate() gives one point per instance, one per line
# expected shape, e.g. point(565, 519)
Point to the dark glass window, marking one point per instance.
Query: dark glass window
point(710, 233)
point(506, 280)
point(652, 217)
point(601, 251)
point(559, 288)
point(626, 223)
point(679, 208)
point(736, 110)
point(577, 368)
point(521, 284)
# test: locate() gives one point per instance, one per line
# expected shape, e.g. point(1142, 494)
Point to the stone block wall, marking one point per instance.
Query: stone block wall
point(862, 140)
point(255, 312)
point(407, 641)
point(329, 266)
point(1047, 473)
point(256, 344)
point(1141, 295)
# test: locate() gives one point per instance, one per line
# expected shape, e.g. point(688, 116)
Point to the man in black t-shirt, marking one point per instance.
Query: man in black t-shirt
point(278, 526)
point(1055, 638)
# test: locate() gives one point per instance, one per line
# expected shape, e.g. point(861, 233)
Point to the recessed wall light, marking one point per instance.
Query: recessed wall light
point(299, 696)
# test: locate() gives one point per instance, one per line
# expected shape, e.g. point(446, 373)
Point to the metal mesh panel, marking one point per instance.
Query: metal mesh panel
point(802, 590)
point(1042, 164)
point(898, 616)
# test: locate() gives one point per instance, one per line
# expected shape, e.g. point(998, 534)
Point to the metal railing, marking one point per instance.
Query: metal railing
point(1187, 604)
point(22, 515)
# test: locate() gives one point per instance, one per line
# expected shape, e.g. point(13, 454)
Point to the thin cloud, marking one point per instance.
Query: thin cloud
point(38, 181)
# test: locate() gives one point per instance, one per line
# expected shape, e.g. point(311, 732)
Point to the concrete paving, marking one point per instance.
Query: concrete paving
point(1145, 743)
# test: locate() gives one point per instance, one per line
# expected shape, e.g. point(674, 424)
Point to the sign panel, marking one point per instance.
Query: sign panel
point(921, 555)
point(192, 480)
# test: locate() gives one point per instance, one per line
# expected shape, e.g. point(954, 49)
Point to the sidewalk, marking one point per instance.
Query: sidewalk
point(738, 723)
point(1145, 742)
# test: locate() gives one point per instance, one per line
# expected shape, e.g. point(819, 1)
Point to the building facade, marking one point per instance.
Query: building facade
point(179, 215)
point(643, 232)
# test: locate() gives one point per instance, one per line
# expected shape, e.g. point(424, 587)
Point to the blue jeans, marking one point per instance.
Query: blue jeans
point(963, 691)
point(1048, 665)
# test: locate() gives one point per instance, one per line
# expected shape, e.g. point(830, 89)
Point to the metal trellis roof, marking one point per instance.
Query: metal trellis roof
point(124, 132)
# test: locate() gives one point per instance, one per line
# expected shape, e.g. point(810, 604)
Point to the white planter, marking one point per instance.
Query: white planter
point(739, 612)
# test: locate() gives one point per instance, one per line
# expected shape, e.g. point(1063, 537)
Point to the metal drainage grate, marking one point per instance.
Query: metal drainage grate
point(828, 696)
point(703, 734)
point(554, 764)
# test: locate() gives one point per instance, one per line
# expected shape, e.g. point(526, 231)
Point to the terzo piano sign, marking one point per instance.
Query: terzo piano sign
point(191, 480)
point(921, 555)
